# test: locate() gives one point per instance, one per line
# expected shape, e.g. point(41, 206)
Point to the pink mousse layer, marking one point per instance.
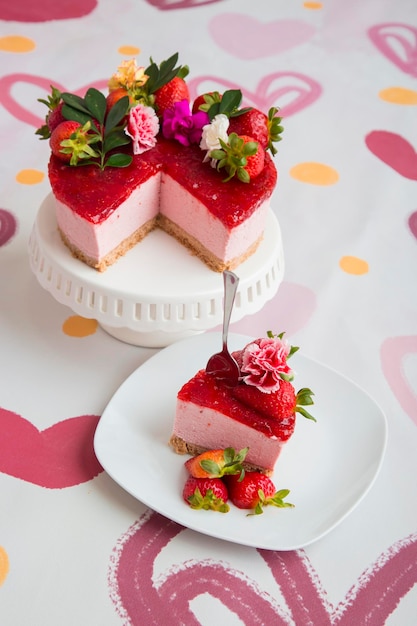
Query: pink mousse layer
point(98, 240)
point(211, 429)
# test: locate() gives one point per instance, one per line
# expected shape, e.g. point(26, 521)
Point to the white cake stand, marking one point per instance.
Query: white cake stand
point(159, 292)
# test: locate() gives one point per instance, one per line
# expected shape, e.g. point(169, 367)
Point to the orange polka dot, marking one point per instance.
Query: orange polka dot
point(398, 95)
point(77, 326)
point(313, 5)
point(4, 565)
point(353, 265)
point(30, 177)
point(129, 50)
point(16, 43)
point(314, 173)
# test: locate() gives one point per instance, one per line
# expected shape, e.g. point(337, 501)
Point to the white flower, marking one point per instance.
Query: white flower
point(212, 133)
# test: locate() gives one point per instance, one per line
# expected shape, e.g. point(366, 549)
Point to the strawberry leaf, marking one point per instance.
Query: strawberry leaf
point(117, 113)
point(115, 139)
point(75, 114)
point(119, 160)
point(96, 104)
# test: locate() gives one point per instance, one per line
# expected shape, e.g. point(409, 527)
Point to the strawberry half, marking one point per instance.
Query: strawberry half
point(216, 463)
point(281, 404)
point(170, 93)
point(206, 493)
point(254, 491)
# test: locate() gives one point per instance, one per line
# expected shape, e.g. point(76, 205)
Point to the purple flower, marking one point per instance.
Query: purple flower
point(180, 124)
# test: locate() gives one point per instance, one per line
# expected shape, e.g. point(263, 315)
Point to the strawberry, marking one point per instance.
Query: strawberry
point(254, 491)
point(216, 463)
point(55, 117)
point(114, 96)
point(241, 156)
point(281, 404)
point(253, 123)
point(206, 493)
point(70, 142)
point(266, 129)
point(170, 93)
point(205, 101)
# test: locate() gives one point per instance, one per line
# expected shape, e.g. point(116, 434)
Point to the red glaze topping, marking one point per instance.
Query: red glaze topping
point(94, 194)
point(204, 390)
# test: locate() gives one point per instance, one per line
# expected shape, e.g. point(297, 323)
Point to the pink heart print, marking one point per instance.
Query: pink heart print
point(139, 599)
point(57, 457)
point(290, 91)
point(253, 39)
point(395, 151)
point(8, 226)
point(45, 11)
point(23, 112)
point(393, 353)
point(168, 5)
point(398, 43)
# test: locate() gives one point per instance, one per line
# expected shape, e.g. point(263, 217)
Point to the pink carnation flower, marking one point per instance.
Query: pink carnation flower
point(142, 127)
point(264, 364)
point(180, 124)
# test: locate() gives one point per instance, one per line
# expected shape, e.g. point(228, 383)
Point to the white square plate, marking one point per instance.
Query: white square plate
point(328, 465)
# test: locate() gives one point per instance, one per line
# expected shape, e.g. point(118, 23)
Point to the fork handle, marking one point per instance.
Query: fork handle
point(231, 282)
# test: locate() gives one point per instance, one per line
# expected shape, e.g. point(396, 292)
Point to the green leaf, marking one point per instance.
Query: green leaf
point(230, 101)
point(117, 113)
point(96, 104)
point(75, 115)
point(119, 160)
point(75, 102)
point(115, 139)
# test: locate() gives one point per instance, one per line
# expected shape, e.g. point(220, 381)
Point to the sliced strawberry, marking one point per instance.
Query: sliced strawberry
point(206, 493)
point(254, 491)
point(170, 93)
point(216, 463)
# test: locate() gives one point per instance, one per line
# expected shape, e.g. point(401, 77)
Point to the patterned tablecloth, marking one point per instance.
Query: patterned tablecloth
point(75, 548)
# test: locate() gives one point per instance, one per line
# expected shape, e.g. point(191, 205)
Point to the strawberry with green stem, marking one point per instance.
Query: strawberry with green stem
point(255, 491)
point(241, 156)
point(206, 493)
point(72, 142)
point(216, 463)
point(54, 115)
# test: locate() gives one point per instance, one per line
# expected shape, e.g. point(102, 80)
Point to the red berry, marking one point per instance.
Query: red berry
point(114, 96)
point(255, 162)
point(63, 131)
point(253, 123)
point(279, 404)
point(206, 100)
point(170, 93)
point(254, 491)
point(206, 493)
point(216, 463)
point(55, 117)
